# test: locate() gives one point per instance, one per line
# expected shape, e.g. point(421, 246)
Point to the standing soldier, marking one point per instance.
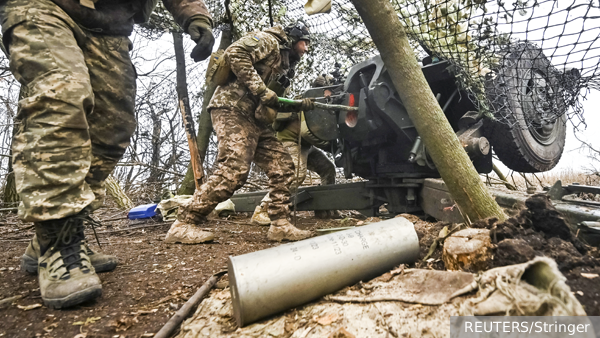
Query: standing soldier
point(72, 60)
point(241, 116)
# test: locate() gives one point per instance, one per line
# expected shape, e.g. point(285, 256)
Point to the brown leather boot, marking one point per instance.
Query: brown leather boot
point(283, 230)
point(187, 233)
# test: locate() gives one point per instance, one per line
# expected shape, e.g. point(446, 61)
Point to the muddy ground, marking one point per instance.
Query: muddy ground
point(154, 279)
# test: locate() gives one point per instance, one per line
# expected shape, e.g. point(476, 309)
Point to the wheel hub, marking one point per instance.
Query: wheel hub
point(537, 101)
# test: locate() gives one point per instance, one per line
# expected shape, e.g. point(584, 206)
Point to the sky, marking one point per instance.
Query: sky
point(573, 44)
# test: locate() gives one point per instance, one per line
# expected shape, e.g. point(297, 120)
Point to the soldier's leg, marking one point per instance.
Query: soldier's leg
point(318, 162)
point(52, 147)
point(112, 122)
point(237, 138)
point(299, 157)
point(273, 158)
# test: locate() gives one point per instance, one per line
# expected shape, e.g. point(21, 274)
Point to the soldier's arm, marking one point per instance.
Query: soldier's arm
point(244, 53)
point(184, 11)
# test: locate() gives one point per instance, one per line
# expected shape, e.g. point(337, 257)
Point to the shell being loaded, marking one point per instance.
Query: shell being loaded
point(319, 127)
point(311, 138)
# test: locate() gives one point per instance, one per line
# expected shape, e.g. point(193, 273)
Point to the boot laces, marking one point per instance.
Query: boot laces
point(68, 241)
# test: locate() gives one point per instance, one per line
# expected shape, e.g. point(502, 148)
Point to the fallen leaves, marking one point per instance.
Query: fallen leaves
point(341, 333)
point(144, 312)
point(589, 275)
point(89, 320)
point(124, 323)
point(29, 307)
point(328, 319)
point(50, 327)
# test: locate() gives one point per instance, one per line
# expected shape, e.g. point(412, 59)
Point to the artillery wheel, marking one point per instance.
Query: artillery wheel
point(529, 132)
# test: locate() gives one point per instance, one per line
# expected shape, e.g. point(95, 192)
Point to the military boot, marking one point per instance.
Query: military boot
point(188, 232)
point(261, 215)
point(65, 273)
point(283, 230)
point(101, 262)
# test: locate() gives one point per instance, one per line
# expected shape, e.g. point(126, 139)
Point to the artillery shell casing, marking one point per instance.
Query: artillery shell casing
point(276, 279)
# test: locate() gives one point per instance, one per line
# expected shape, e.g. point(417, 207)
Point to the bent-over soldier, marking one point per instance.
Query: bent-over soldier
point(241, 118)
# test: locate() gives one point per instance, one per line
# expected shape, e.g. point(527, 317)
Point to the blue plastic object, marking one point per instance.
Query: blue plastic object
point(142, 211)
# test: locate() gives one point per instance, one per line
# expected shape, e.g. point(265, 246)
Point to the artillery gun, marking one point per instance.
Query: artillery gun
point(380, 144)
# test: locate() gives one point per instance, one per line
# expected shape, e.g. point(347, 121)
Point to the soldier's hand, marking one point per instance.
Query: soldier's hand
point(269, 98)
point(307, 104)
point(200, 31)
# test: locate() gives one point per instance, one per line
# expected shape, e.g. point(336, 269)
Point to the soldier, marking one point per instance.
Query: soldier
point(306, 157)
point(241, 116)
point(72, 60)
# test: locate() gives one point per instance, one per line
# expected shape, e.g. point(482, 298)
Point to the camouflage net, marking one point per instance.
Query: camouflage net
point(495, 48)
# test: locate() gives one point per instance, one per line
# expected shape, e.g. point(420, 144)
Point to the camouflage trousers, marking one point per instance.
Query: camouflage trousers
point(77, 114)
point(242, 140)
point(312, 159)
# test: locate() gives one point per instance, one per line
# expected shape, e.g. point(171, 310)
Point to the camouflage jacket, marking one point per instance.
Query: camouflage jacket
point(255, 59)
point(117, 17)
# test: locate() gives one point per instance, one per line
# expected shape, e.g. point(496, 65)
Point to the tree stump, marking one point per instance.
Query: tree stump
point(468, 250)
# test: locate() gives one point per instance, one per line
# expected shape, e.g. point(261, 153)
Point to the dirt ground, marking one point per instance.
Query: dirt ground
point(154, 279)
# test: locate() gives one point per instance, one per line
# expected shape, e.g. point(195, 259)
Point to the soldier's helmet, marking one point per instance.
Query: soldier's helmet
point(297, 31)
point(323, 80)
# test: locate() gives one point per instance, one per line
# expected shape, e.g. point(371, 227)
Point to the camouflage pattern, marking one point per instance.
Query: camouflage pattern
point(241, 141)
point(255, 59)
point(117, 17)
point(78, 113)
point(312, 159)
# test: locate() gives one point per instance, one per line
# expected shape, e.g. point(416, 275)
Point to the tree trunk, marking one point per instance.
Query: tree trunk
point(114, 189)
point(156, 174)
point(10, 188)
point(468, 190)
point(10, 194)
point(204, 124)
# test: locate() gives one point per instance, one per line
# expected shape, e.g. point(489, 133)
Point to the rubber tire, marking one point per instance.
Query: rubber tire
point(513, 141)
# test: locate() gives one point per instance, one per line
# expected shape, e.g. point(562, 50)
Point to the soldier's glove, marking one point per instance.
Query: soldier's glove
point(269, 98)
point(200, 31)
point(307, 104)
point(265, 114)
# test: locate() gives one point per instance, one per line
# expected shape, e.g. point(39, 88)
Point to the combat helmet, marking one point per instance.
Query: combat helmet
point(297, 31)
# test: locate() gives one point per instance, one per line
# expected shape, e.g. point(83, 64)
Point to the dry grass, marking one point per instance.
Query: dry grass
point(567, 176)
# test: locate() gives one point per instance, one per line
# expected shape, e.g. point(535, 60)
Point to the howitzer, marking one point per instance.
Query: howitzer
point(378, 142)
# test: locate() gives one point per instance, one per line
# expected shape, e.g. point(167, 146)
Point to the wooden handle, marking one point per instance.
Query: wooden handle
point(188, 123)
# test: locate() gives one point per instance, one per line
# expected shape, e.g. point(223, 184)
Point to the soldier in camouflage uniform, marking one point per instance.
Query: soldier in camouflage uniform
point(241, 118)
point(72, 60)
point(306, 157)
point(309, 157)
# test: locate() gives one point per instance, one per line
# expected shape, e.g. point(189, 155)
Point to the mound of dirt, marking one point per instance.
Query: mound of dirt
point(540, 230)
